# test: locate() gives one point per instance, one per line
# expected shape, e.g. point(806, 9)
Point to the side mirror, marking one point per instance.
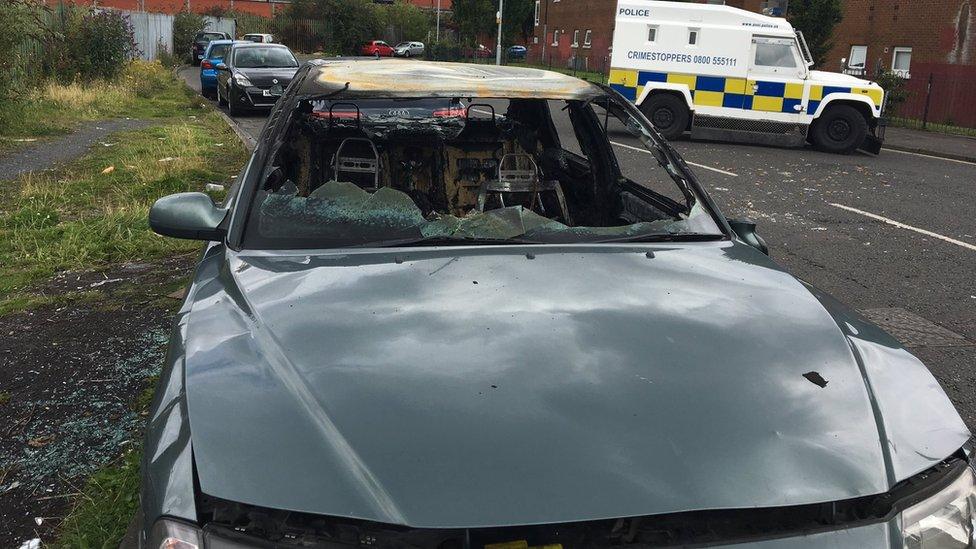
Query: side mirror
point(192, 216)
point(221, 66)
point(745, 229)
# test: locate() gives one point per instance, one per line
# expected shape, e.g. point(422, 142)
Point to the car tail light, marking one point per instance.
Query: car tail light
point(334, 114)
point(206, 64)
point(449, 113)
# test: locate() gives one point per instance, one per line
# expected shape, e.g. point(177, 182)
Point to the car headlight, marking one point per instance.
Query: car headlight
point(170, 534)
point(241, 80)
point(946, 520)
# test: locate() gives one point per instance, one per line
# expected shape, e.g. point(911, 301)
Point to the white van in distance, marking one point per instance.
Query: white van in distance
point(730, 74)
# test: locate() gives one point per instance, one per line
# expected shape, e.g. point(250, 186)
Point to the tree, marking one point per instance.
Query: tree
point(817, 19)
point(518, 22)
point(405, 21)
point(351, 22)
point(476, 18)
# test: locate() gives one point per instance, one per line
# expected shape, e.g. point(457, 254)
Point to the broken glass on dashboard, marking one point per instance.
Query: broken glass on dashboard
point(375, 172)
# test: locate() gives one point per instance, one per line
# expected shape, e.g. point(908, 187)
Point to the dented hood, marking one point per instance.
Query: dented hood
point(473, 387)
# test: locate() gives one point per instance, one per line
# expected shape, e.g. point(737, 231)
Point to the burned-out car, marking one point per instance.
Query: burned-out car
point(435, 312)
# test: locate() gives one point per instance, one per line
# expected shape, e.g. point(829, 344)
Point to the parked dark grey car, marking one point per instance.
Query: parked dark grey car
point(424, 318)
point(254, 75)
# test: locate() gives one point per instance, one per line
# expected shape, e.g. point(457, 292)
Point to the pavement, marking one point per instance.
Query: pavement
point(890, 235)
point(51, 153)
point(957, 147)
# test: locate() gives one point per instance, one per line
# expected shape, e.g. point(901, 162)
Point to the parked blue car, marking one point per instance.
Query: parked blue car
point(215, 52)
point(516, 52)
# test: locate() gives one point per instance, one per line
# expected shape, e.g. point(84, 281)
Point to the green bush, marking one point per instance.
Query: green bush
point(20, 20)
point(443, 51)
point(895, 92)
point(100, 45)
point(186, 25)
point(404, 21)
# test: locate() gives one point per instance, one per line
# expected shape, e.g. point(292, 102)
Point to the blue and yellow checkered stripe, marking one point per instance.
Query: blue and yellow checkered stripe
point(736, 93)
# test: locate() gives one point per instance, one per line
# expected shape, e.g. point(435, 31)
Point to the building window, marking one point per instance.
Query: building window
point(859, 56)
point(575, 43)
point(537, 13)
point(587, 38)
point(555, 37)
point(652, 33)
point(901, 62)
point(693, 37)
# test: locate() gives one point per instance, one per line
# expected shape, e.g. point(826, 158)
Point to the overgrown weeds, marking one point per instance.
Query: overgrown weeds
point(93, 212)
point(56, 107)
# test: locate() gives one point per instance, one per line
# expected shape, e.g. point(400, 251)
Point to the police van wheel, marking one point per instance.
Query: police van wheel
point(840, 130)
point(668, 113)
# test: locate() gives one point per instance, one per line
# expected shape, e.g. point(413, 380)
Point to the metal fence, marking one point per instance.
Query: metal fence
point(152, 31)
point(219, 24)
point(301, 35)
point(938, 102)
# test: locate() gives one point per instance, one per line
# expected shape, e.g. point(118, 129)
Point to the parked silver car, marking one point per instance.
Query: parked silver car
point(409, 49)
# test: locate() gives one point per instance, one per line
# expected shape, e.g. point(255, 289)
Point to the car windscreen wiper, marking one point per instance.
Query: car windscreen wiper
point(446, 241)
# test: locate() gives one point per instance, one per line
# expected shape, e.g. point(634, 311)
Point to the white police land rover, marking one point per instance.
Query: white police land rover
point(730, 74)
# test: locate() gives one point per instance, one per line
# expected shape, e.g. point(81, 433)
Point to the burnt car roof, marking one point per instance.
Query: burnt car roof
point(372, 78)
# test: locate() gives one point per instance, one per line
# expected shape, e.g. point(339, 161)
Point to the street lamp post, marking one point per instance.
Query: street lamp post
point(498, 46)
point(437, 33)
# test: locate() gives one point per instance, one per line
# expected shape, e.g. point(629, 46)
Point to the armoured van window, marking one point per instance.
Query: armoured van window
point(652, 33)
point(775, 55)
point(693, 37)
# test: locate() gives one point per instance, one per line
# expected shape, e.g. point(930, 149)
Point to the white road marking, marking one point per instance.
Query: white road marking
point(932, 157)
point(702, 166)
point(904, 226)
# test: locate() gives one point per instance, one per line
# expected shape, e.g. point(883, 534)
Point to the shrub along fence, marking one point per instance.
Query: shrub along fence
point(67, 41)
point(300, 34)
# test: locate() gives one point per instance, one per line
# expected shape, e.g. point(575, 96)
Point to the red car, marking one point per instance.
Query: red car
point(481, 51)
point(377, 48)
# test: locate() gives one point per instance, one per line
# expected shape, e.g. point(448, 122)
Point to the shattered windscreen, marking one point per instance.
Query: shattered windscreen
point(389, 172)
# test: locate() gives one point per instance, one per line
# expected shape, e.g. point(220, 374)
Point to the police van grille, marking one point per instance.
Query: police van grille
point(745, 125)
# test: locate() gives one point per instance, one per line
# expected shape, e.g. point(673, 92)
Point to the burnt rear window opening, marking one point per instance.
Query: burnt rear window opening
point(384, 172)
point(256, 526)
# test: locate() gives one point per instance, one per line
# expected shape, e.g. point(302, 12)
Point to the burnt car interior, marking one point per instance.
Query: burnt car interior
point(373, 170)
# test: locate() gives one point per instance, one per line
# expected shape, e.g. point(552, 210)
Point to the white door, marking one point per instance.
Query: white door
point(777, 77)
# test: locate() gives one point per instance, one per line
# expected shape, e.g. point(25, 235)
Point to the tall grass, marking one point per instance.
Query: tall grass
point(94, 211)
point(54, 108)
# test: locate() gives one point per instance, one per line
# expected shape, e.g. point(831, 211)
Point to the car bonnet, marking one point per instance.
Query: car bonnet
point(480, 387)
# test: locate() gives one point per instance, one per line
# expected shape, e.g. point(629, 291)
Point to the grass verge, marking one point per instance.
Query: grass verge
point(145, 90)
point(932, 127)
point(107, 502)
point(94, 211)
point(92, 214)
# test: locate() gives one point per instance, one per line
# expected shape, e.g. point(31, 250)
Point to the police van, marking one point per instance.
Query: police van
point(729, 74)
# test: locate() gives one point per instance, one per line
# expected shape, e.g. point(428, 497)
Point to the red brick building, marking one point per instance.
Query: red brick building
point(265, 8)
point(925, 41)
